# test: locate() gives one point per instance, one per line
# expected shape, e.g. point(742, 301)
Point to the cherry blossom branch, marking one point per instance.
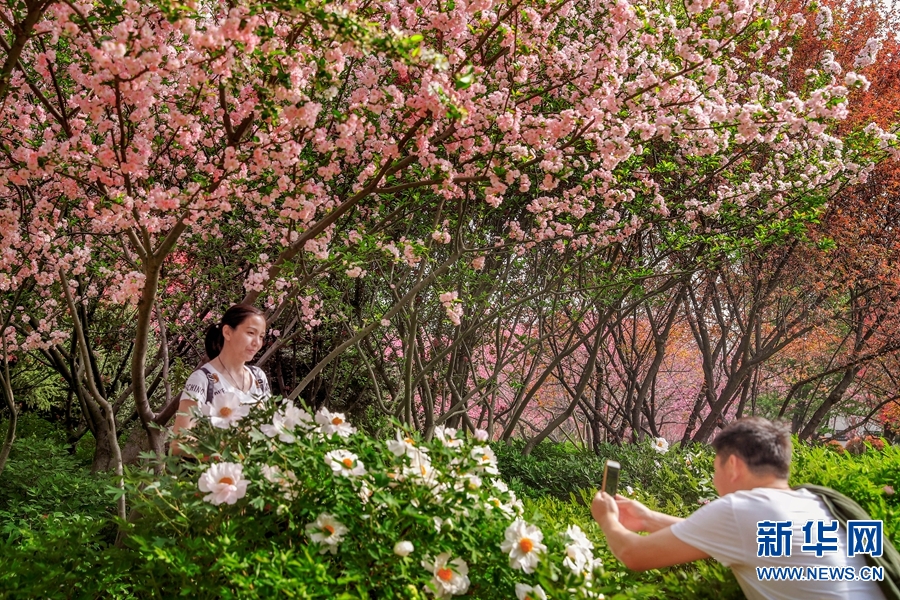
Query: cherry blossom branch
point(23, 32)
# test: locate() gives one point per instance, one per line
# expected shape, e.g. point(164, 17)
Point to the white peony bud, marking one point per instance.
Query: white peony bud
point(403, 548)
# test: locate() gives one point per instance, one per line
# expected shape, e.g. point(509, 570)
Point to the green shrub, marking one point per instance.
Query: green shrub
point(58, 533)
point(677, 478)
point(871, 478)
point(42, 482)
point(70, 557)
point(282, 506)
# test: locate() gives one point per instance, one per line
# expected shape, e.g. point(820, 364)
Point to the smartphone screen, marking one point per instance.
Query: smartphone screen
point(611, 477)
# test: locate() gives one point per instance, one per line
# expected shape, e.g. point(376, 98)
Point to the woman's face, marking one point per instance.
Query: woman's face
point(245, 340)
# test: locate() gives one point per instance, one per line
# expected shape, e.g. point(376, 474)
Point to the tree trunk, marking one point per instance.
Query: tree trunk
point(586, 376)
point(104, 455)
point(686, 439)
point(109, 416)
point(833, 398)
point(13, 414)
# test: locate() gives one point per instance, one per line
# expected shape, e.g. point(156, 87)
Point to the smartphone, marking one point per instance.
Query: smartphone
point(611, 477)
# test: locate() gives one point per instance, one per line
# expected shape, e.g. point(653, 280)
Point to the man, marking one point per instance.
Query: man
point(752, 465)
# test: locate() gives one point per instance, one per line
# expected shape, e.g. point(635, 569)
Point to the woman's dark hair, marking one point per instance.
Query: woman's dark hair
point(233, 317)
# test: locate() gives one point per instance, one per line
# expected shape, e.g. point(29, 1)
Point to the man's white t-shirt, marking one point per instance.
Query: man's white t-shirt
point(726, 529)
point(196, 386)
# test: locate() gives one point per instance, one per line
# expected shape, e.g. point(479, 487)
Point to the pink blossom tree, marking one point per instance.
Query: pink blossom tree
point(169, 160)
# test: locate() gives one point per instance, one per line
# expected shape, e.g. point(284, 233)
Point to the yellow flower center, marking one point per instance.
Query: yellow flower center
point(409, 441)
point(348, 462)
point(227, 481)
point(328, 528)
point(526, 545)
point(485, 457)
point(337, 421)
point(225, 411)
point(444, 574)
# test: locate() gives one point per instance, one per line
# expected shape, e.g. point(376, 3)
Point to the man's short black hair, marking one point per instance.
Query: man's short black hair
point(764, 445)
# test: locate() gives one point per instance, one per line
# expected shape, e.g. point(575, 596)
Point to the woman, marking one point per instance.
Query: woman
point(230, 344)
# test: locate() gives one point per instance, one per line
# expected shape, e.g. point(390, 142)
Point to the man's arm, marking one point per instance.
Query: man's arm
point(634, 516)
point(637, 552)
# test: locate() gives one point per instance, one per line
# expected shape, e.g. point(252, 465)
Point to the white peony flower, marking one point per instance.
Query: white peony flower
point(526, 592)
point(225, 410)
point(577, 558)
point(327, 531)
point(334, 423)
point(271, 473)
point(403, 548)
point(438, 490)
point(661, 445)
point(481, 435)
point(395, 476)
point(523, 543)
point(365, 492)
point(345, 463)
point(487, 461)
point(420, 467)
point(577, 537)
point(403, 444)
point(450, 576)
point(295, 416)
point(440, 523)
point(506, 509)
point(276, 475)
point(517, 507)
point(285, 421)
point(447, 435)
point(468, 482)
point(278, 428)
point(285, 479)
point(579, 555)
point(225, 483)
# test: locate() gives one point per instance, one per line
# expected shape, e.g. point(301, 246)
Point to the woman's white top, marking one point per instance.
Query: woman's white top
point(198, 385)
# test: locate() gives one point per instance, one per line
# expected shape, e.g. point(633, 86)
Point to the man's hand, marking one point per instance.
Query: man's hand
point(633, 515)
point(604, 509)
point(640, 552)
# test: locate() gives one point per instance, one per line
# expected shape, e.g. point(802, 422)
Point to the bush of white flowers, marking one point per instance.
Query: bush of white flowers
point(306, 506)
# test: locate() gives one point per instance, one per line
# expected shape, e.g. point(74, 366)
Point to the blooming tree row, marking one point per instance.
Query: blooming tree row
point(411, 190)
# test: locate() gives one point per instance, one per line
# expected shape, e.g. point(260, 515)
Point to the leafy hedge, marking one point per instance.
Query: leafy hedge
point(284, 504)
point(872, 478)
point(677, 481)
point(58, 536)
point(43, 482)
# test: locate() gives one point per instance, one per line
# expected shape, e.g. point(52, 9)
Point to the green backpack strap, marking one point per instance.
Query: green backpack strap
point(845, 509)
